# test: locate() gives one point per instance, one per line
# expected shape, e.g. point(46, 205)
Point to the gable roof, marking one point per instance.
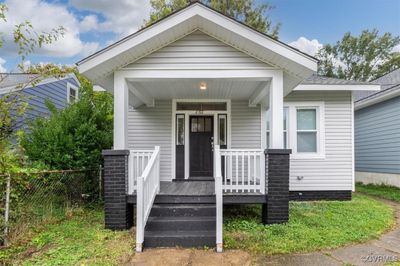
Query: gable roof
point(392, 78)
point(179, 10)
point(13, 81)
point(197, 16)
point(390, 88)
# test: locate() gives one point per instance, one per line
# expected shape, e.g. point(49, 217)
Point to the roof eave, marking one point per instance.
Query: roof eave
point(337, 87)
point(197, 9)
point(376, 98)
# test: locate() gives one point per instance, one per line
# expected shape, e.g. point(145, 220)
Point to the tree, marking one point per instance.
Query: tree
point(74, 137)
point(12, 105)
point(364, 57)
point(249, 12)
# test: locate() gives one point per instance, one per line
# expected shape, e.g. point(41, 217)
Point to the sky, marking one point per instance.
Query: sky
point(93, 24)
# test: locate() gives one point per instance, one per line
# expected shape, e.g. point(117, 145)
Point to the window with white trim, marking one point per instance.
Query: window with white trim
point(72, 93)
point(306, 129)
point(303, 129)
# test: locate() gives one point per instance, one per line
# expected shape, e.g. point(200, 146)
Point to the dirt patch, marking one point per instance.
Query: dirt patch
point(32, 251)
point(193, 257)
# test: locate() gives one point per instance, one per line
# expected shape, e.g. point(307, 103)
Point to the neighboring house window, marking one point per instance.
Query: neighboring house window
point(303, 129)
point(72, 93)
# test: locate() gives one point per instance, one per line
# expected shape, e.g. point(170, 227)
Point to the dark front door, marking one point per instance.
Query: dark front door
point(201, 150)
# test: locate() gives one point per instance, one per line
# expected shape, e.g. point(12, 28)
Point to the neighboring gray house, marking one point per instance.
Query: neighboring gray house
point(377, 132)
point(59, 91)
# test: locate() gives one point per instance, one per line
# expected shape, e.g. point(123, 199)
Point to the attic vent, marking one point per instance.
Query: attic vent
point(201, 106)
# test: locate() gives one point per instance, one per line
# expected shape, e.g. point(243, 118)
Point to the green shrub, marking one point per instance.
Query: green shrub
point(72, 138)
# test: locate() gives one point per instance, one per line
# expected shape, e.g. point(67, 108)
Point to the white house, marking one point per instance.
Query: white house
point(233, 114)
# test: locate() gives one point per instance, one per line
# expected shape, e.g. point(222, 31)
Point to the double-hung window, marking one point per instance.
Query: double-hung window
point(303, 129)
point(72, 93)
point(306, 130)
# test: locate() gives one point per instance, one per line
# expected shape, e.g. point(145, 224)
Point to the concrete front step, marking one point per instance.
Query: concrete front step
point(176, 210)
point(180, 239)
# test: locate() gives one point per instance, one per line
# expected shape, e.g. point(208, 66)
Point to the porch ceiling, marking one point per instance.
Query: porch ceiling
point(190, 89)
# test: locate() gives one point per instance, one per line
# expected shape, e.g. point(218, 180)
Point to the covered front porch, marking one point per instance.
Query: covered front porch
point(184, 127)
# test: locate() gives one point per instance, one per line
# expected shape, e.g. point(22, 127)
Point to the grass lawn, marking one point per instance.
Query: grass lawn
point(78, 239)
point(312, 226)
point(383, 191)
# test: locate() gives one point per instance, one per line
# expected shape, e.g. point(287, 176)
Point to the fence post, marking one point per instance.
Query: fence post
point(100, 179)
point(7, 210)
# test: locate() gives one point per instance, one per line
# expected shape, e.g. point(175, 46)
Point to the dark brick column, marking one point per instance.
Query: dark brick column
point(118, 213)
point(277, 162)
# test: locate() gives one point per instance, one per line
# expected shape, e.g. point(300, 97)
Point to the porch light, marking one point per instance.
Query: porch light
point(203, 86)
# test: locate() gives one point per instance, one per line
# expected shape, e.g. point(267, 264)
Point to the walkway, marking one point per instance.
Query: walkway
point(375, 252)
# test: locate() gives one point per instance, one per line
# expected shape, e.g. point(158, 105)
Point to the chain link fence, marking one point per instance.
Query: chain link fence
point(29, 200)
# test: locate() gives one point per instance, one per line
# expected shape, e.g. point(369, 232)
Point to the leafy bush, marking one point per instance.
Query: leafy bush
point(72, 138)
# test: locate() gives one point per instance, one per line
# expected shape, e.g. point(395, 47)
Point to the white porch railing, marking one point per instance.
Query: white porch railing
point(148, 185)
point(138, 160)
point(236, 171)
point(243, 170)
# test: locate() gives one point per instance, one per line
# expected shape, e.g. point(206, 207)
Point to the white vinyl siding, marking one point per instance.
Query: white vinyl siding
point(334, 171)
point(197, 51)
point(246, 126)
point(149, 127)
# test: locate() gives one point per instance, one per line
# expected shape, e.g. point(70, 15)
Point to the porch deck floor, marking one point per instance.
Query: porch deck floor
point(199, 192)
point(195, 188)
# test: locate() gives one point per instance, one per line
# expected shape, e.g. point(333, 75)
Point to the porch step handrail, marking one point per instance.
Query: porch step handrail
point(148, 185)
point(218, 198)
point(243, 170)
point(138, 160)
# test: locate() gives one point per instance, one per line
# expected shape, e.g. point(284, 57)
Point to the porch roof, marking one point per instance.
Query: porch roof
point(296, 65)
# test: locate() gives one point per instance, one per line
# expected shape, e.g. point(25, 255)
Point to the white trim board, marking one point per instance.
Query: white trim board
point(194, 113)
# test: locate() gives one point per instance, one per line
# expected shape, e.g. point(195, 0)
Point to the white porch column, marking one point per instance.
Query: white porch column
point(121, 105)
point(276, 111)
